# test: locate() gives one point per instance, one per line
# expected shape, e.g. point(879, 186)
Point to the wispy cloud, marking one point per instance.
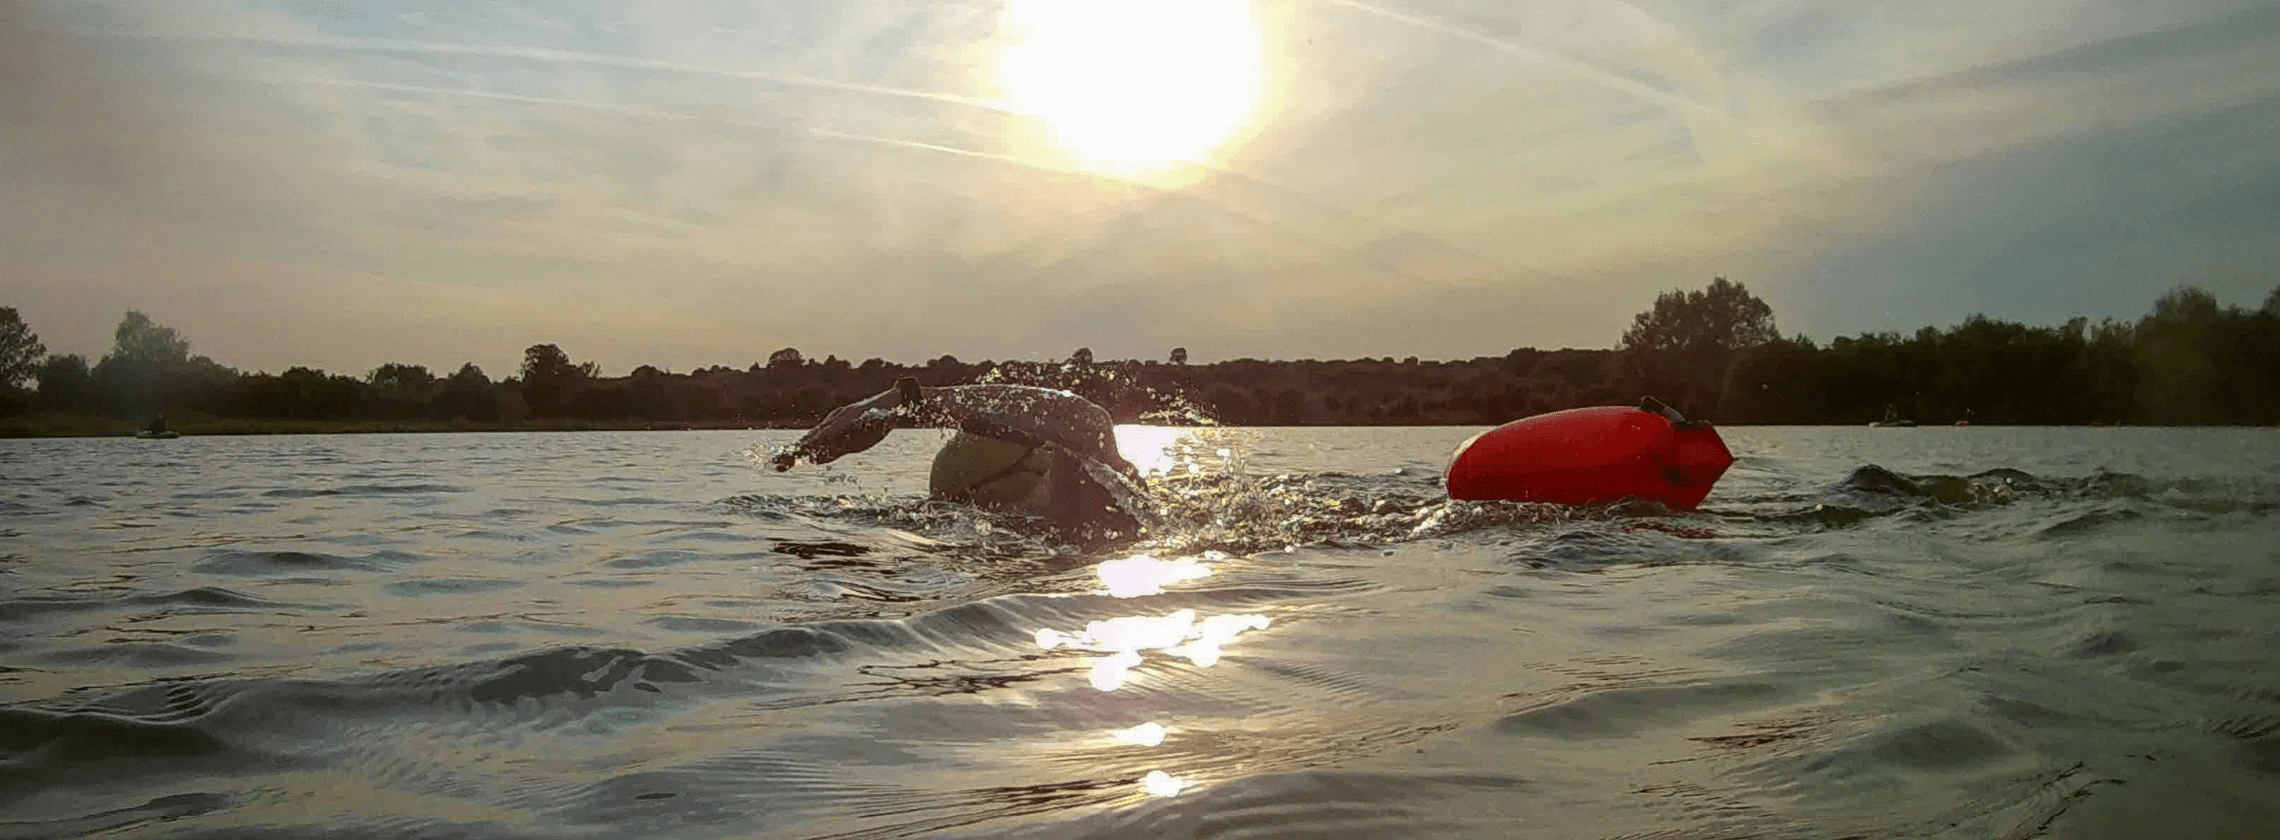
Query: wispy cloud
point(687, 183)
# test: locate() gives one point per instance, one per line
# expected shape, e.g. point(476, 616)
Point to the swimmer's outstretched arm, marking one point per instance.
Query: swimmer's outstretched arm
point(1020, 413)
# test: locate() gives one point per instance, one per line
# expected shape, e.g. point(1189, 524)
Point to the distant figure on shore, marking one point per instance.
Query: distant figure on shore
point(1036, 450)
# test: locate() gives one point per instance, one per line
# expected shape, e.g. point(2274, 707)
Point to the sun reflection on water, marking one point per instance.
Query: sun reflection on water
point(1109, 672)
point(1121, 642)
point(1157, 450)
point(1178, 634)
point(1160, 783)
point(1148, 734)
point(1141, 574)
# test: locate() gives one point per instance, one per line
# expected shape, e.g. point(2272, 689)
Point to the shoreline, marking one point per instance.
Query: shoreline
point(53, 427)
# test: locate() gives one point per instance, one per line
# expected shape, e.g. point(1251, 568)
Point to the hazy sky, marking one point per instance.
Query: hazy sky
point(687, 183)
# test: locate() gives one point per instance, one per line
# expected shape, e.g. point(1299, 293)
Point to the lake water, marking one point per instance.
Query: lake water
point(2015, 633)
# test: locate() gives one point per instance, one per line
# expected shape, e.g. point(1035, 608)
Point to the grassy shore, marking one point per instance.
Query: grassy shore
point(80, 425)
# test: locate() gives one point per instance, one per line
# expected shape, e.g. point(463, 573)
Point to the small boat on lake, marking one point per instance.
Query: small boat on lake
point(1891, 421)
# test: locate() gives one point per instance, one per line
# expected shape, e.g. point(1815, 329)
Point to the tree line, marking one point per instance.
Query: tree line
point(1714, 352)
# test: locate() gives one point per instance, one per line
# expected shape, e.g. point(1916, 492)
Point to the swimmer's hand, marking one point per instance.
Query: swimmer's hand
point(847, 429)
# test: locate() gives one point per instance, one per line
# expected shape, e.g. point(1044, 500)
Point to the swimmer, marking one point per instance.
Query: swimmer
point(1038, 451)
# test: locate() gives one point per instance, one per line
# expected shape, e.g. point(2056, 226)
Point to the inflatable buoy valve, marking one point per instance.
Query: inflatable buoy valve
point(1677, 420)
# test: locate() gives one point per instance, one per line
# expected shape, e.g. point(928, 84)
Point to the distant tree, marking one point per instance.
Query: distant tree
point(1693, 341)
point(20, 350)
point(401, 377)
point(65, 384)
point(302, 393)
point(148, 367)
point(141, 340)
point(468, 394)
point(2186, 304)
point(1083, 357)
point(2181, 379)
point(1722, 317)
point(543, 362)
point(1288, 406)
point(1179, 355)
point(649, 394)
point(400, 391)
point(550, 379)
point(787, 357)
point(312, 394)
point(1522, 361)
point(2259, 350)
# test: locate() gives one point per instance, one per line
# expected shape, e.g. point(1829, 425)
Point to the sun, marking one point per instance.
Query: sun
point(1138, 89)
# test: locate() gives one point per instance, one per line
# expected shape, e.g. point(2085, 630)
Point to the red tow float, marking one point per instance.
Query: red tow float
point(1588, 456)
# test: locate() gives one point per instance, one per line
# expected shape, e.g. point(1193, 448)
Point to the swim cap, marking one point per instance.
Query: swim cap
point(985, 470)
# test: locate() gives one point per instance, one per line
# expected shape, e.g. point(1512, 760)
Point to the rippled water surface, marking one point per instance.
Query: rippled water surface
point(1934, 632)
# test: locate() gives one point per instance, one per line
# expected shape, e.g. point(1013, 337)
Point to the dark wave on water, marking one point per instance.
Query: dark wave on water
point(364, 638)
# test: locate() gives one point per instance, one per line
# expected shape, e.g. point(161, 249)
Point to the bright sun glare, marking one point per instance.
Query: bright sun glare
point(1156, 449)
point(1139, 89)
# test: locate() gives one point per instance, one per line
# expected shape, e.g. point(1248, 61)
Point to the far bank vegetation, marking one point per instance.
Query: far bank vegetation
point(1715, 352)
